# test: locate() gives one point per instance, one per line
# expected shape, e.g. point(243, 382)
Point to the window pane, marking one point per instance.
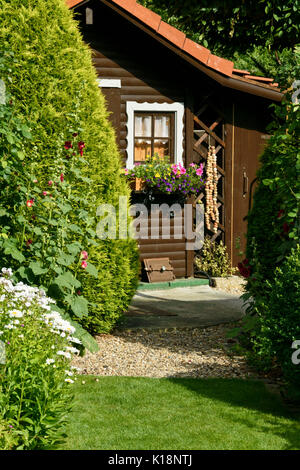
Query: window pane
point(162, 126)
point(161, 146)
point(142, 126)
point(142, 149)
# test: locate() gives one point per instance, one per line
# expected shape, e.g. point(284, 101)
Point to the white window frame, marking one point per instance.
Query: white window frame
point(178, 110)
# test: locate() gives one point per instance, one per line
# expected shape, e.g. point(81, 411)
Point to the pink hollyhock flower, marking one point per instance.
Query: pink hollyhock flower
point(81, 146)
point(68, 145)
point(50, 182)
point(29, 203)
point(61, 177)
point(84, 254)
point(192, 165)
point(182, 170)
point(84, 264)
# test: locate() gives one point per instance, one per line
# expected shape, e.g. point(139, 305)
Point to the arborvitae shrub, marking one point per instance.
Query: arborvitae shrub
point(273, 250)
point(279, 318)
point(273, 222)
point(53, 83)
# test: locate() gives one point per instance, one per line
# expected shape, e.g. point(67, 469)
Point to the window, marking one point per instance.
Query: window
point(154, 128)
point(153, 134)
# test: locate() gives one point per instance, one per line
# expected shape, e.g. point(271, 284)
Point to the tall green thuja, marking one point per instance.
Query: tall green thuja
point(273, 222)
point(54, 86)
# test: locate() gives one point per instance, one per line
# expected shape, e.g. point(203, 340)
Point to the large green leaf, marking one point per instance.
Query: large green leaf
point(92, 270)
point(78, 304)
point(37, 268)
point(11, 249)
point(67, 280)
point(65, 259)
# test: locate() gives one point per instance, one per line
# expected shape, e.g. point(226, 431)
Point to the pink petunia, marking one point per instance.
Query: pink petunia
point(84, 254)
point(45, 193)
point(199, 171)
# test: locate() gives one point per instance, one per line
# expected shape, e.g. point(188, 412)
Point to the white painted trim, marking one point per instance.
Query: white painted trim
point(109, 83)
point(177, 108)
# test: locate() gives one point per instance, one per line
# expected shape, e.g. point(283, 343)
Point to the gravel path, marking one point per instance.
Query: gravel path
point(170, 353)
point(190, 352)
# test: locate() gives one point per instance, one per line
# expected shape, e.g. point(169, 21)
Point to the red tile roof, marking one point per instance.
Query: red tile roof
point(179, 39)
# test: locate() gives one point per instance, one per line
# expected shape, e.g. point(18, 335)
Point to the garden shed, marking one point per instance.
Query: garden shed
point(188, 99)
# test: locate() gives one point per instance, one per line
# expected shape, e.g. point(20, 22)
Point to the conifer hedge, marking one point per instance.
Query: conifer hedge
point(53, 84)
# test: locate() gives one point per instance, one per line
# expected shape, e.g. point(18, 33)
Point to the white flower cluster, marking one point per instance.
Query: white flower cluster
point(20, 301)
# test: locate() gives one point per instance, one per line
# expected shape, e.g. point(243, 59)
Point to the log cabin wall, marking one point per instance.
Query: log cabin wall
point(150, 72)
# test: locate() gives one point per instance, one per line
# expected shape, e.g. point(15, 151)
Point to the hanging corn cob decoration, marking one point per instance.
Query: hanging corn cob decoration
point(211, 190)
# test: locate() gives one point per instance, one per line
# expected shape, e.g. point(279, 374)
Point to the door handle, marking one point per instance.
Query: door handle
point(245, 184)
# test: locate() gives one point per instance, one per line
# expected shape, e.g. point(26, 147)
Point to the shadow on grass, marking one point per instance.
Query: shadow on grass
point(253, 397)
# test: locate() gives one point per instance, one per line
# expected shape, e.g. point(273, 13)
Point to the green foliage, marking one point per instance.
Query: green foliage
point(9, 439)
point(214, 260)
point(267, 22)
point(113, 288)
point(279, 318)
point(273, 252)
point(284, 66)
point(53, 84)
point(44, 232)
point(259, 36)
point(37, 348)
point(273, 222)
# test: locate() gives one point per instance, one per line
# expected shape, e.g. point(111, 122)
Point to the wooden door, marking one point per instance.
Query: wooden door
point(248, 142)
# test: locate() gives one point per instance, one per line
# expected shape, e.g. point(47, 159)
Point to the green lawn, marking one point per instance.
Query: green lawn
point(120, 413)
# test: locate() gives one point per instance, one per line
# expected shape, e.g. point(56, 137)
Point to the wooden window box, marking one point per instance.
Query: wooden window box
point(137, 184)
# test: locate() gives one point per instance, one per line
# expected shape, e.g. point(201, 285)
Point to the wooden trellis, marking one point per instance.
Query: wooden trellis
point(208, 130)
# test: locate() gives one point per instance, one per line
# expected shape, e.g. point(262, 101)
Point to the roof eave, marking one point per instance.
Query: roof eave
point(236, 83)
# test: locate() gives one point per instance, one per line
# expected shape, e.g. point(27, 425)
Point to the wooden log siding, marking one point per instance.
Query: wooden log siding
point(151, 72)
point(141, 84)
point(133, 88)
point(174, 249)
